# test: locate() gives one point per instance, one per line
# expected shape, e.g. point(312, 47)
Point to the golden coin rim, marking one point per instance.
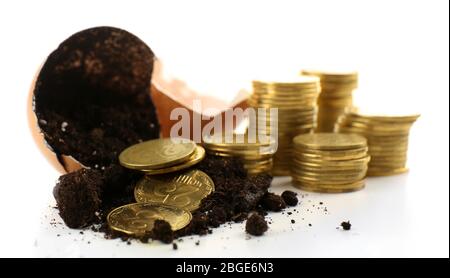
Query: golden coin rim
point(198, 156)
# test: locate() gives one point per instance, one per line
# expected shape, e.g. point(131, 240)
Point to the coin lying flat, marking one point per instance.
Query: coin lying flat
point(324, 188)
point(157, 154)
point(184, 191)
point(198, 156)
point(330, 141)
point(138, 218)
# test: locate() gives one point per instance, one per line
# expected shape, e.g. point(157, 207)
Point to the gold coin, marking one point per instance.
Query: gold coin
point(354, 183)
point(286, 106)
point(335, 174)
point(374, 132)
point(297, 81)
point(297, 95)
point(330, 141)
point(344, 186)
point(244, 156)
point(331, 153)
point(389, 158)
point(324, 157)
point(328, 180)
point(198, 156)
point(390, 164)
point(369, 116)
point(336, 92)
point(185, 190)
point(331, 163)
point(334, 170)
point(387, 165)
point(380, 128)
point(156, 154)
point(287, 113)
point(138, 218)
point(238, 141)
point(332, 75)
point(329, 189)
point(338, 165)
point(259, 169)
point(378, 172)
point(380, 150)
point(257, 164)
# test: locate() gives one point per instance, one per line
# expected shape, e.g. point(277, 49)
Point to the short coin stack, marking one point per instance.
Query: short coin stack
point(330, 162)
point(296, 101)
point(335, 97)
point(387, 139)
point(255, 155)
point(161, 156)
point(164, 193)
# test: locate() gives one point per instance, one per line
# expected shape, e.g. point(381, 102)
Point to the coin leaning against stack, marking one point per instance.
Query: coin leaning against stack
point(329, 162)
point(165, 192)
point(296, 103)
point(336, 95)
point(387, 139)
point(256, 155)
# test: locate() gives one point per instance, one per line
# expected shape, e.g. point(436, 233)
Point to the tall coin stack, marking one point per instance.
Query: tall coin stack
point(255, 155)
point(329, 162)
point(296, 102)
point(335, 97)
point(387, 138)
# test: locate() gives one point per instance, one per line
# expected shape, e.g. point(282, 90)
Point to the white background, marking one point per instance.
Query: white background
point(400, 48)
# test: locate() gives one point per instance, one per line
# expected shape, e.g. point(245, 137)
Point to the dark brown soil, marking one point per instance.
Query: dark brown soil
point(83, 195)
point(78, 197)
point(162, 231)
point(346, 225)
point(272, 202)
point(290, 198)
point(92, 96)
point(236, 195)
point(256, 225)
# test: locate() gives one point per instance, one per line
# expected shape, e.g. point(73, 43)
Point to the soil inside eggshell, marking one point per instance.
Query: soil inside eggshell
point(92, 98)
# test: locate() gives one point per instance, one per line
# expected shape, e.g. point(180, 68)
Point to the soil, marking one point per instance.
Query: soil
point(346, 225)
point(92, 96)
point(162, 231)
point(78, 197)
point(256, 225)
point(290, 198)
point(236, 195)
point(272, 202)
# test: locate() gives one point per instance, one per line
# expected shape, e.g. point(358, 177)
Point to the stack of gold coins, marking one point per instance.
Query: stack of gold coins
point(335, 97)
point(255, 155)
point(161, 156)
point(296, 102)
point(387, 139)
point(330, 162)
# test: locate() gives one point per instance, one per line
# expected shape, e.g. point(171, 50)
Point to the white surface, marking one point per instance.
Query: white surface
point(399, 47)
